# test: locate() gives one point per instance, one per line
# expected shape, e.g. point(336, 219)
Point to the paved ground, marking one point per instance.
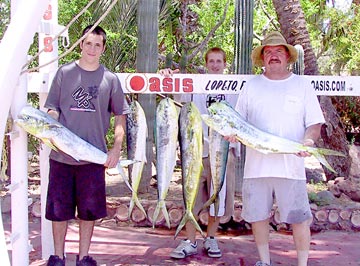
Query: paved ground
point(114, 245)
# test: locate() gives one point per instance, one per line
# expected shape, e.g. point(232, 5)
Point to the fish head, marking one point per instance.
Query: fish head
point(224, 125)
point(220, 108)
point(211, 120)
point(35, 121)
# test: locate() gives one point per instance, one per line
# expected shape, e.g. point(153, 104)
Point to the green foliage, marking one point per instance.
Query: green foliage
point(264, 19)
point(313, 194)
point(334, 35)
point(180, 37)
point(4, 16)
point(120, 25)
point(348, 108)
point(314, 198)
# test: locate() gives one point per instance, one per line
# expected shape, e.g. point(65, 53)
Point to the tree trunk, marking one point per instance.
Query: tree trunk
point(244, 17)
point(293, 27)
point(147, 62)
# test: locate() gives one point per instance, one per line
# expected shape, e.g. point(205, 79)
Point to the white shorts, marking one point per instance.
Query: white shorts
point(259, 195)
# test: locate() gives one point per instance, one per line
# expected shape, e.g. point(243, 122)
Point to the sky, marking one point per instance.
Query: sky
point(340, 4)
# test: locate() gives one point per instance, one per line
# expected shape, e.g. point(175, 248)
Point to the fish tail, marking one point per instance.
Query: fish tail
point(189, 216)
point(181, 225)
point(131, 206)
point(166, 214)
point(135, 201)
point(161, 206)
point(319, 153)
point(156, 214)
point(213, 200)
point(126, 162)
point(324, 151)
point(216, 206)
point(210, 201)
point(123, 175)
point(48, 143)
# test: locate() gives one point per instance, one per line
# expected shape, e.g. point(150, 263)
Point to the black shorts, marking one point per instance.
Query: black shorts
point(76, 187)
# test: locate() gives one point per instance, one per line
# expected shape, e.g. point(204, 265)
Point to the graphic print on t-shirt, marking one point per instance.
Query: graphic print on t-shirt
point(210, 99)
point(83, 99)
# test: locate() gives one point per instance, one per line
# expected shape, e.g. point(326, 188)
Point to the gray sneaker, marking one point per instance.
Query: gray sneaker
point(212, 248)
point(55, 261)
point(184, 249)
point(260, 263)
point(85, 261)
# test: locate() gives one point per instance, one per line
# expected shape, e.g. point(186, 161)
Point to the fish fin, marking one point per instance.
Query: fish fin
point(126, 162)
point(214, 199)
point(161, 205)
point(324, 151)
point(123, 175)
point(195, 223)
point(188, 216)
point(166, 214)
point(323, 161)
point(210, 201)
point(181, 225)
point(54, 126)
point(49, 143)
point(319, 153)
point(131, 206)
point(156, 212)
point(135, 201)
point(216, 206)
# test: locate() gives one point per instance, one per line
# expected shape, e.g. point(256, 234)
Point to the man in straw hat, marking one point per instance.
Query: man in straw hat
point(284, 104)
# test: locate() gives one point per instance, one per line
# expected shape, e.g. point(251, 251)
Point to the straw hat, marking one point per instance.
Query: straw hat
point(273, 39)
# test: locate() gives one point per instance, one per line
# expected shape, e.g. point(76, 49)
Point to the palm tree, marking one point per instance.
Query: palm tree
point(244, 12)
point(293, 27)
point(147, 62)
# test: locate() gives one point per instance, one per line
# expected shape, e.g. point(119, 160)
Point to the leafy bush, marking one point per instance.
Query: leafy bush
point(348, 108)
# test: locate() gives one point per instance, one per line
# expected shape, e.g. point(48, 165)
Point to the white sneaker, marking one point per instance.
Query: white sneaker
point(212, 248)
point(260, 263)
point(184, 249)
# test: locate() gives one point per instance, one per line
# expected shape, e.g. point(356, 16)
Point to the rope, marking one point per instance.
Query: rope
point(61, 32)
point(77, 42)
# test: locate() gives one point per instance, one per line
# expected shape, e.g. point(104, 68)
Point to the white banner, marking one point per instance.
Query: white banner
point(226, 84)
point(208, 84)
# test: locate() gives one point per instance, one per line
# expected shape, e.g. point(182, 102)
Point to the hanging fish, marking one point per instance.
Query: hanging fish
point(137, 133)
point(166, 135)
point(191, 148)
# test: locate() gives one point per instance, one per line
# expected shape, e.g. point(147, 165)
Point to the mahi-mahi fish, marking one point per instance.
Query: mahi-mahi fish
point(137, 133)
point(227, 121)
point(218, 155)
point(191, 148)
point(166, 136)
point(58, 137)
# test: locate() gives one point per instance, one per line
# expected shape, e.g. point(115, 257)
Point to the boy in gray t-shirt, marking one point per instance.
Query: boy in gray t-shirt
point(83, 96)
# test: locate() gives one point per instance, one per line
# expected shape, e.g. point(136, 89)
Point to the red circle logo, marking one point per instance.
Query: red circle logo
point(137, 83)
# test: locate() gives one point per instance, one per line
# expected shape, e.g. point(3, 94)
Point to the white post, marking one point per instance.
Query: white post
point(19, 183)
point(25, 18)
point(50, 18)
point(14, 46)
point(3, 249)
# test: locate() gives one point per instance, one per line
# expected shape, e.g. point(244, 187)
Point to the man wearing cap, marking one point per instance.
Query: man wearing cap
point(284, 104)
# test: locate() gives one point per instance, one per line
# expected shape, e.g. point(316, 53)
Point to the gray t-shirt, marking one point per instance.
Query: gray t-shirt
point(85, 101)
